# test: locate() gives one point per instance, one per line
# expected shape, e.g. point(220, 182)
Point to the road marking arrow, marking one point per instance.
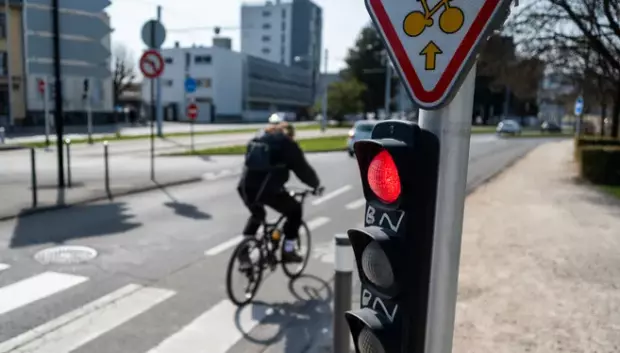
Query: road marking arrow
point(430, 51)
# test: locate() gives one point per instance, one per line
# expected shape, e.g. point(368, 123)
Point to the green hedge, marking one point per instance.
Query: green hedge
point(600, 164)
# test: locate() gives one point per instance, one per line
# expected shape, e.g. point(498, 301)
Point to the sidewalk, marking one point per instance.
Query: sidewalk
point(539, 264)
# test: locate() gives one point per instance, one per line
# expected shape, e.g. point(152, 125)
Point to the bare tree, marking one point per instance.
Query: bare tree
point(124, 70)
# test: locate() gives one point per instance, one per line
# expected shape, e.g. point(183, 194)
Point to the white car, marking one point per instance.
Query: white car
point(362, 129)
point(510, 127)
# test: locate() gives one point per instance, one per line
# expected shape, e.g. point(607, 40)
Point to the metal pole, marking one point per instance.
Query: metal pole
point(158, 83)
point(68, 144)
point(324, 120)
point(7, 14)
point(106, 169)
point(2, 133)
point(153, 111)
point(33, 177)
point(343, 284)
point(89, 114)
point(452, 124)
point(191, 133)
point(388, 85)
point(46, 111)
point(59, 123)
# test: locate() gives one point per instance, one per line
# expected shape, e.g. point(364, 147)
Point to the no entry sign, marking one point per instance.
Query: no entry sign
point(433, 44)
point(192, 111)
point(151, 64)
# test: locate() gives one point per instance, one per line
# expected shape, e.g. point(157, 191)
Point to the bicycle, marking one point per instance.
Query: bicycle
point(262, 251)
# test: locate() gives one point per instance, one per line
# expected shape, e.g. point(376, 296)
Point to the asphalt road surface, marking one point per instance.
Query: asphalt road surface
point(157, 282)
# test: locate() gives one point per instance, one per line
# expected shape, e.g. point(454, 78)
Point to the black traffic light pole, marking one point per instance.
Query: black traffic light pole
point(58, 117)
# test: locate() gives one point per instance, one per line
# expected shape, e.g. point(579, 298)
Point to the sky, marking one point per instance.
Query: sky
point(343, 20)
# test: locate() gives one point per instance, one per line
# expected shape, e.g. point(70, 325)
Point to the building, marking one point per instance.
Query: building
point(285, 32)
point(85, 42)
point(231, 86)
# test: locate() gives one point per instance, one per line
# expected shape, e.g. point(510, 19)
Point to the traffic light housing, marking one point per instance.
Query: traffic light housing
point(393, 251)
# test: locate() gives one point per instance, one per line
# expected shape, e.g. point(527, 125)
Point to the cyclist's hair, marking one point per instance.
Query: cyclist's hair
point(287, 128)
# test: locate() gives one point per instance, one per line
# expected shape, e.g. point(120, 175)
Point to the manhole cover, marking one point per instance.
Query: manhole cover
point(70, 254)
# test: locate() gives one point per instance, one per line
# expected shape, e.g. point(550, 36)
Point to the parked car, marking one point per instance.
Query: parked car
point(509, 127)
point(550, 127)
point(362, 129)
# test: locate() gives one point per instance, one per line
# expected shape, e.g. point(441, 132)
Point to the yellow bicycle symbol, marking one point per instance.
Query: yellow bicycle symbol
point(450, 20)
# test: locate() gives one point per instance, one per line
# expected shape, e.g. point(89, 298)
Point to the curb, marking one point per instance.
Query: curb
point(132, 191)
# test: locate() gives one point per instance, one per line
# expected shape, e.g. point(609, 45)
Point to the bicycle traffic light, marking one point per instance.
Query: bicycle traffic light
point(393, 252)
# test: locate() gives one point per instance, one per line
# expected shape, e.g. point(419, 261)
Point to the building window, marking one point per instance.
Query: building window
point(266, 39)
point(202, 59)
point(283, 25)
point(3, 64)
point(266, 13)
point(168, 60)
point(203, 82)
point(266, 50)
point(283, 13)
point(266, 25)
point(2, 25)
point(168, 83)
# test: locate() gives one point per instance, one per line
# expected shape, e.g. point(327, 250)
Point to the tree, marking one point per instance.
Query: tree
point(578, 38)
point(344, 97)
point(124, 71)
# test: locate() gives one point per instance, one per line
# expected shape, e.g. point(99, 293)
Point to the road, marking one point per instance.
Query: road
point(157, 283)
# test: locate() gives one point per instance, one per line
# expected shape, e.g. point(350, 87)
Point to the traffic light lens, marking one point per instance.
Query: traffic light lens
point(383, 177)
point(368, 342)
point(376, 266)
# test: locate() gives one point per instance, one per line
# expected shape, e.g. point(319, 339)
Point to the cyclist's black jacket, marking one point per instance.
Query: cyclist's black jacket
point(286, 155)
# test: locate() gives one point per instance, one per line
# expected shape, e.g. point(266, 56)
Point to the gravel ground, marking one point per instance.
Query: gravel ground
point(540, 262)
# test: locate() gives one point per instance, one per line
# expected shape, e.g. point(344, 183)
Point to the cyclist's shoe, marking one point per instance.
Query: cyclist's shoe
point(291, 257)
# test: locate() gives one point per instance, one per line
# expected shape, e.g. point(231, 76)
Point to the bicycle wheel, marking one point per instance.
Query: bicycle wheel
point(304, 248)
point(253, 275)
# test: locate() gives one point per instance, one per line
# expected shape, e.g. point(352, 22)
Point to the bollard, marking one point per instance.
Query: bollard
point(33, 177)
point(68, 144)
point(2, 135)
point(107, 169)
point(343, 283)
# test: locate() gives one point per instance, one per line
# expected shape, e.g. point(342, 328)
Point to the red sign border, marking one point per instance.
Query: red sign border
point(157, 73)
point(194, 107)
point(452, 70)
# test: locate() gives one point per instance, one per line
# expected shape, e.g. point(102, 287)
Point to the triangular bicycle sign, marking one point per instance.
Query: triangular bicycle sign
point(433, 43)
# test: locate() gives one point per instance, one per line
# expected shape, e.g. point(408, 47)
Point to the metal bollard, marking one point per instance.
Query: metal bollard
point(2, 133)
point(107, 169)
point(343, 283)
point(68, 144)
point(33, 178)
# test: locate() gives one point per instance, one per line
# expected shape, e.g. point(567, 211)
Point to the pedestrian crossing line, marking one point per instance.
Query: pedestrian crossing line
point(218, 249)
point(35, 288)
point(355, 204)
point(215, 331)
point(4, 267)
point(71, 331)
point(331, 195)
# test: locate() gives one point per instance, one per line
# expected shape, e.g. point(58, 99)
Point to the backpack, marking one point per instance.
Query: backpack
point(258, 156)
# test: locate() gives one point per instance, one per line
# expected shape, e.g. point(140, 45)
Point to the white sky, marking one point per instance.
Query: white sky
point(343, 19)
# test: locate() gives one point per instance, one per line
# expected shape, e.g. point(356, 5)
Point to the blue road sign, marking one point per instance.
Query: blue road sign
point(190, 85)
point(579, 106)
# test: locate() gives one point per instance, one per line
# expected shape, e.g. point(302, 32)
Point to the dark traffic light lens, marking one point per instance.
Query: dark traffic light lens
point(376, 266)
point(367, 342)
point(383, 177)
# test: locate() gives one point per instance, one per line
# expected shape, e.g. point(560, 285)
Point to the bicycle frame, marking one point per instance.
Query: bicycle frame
point(268, 227)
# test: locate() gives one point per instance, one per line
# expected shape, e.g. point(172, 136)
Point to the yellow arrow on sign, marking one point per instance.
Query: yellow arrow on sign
point(430, 51)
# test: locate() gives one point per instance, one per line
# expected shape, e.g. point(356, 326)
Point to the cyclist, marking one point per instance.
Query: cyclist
point(269, 158)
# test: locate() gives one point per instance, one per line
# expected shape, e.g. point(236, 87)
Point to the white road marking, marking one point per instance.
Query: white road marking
point(215, 331)
point(82, 325)
point(331, 195)
point(355, 204)
point(4, 267)
point(218, 249)
point(35, 288)
point(210, 176)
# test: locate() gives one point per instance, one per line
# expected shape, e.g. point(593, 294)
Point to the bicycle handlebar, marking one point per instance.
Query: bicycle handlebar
point(305, 192)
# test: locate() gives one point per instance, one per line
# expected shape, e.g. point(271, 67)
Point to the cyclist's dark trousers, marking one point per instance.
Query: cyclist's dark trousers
point(282, 202)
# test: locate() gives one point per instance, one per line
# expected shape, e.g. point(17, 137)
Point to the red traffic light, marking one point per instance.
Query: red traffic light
point(383, 177)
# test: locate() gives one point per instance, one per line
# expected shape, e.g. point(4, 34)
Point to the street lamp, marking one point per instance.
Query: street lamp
point(388, 77)
point(311, 59)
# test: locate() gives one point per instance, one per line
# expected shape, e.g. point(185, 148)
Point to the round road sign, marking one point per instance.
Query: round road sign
point(151, 64)
point(192, 111)
point(153, 34)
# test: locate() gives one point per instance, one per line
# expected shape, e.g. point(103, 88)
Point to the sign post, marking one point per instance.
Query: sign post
point(154, 35)
point(192, 114)
point(433, 46)
point(578, 114)
point(43, 91)
point(152, 66)
point(89, 111)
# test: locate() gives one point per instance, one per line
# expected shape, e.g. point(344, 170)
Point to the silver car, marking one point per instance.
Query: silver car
point(361, 130)
point(509, 127)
